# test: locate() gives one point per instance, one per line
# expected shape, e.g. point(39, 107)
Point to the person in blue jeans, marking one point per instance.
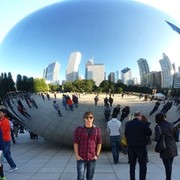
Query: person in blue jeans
point(2, 177)
point(7, 155)
point(114, 128)
point(6, 133)
point(87, 147)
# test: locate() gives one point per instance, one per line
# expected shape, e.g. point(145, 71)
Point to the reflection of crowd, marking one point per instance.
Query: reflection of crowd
point(118, 114)
point(16, 103)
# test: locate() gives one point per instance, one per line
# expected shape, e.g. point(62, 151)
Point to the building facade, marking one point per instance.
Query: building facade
point(167, 72)
point(51, 73)
point(111, 77)
point(72, 71)
point(95, 72)
point(126, 76)
point(143, 71)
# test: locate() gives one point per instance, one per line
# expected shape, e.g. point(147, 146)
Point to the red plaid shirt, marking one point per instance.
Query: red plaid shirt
point(87, 145)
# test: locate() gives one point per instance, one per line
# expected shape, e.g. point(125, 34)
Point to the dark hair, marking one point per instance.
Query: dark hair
point(160, 117)
point(114, 115)
point(3, 110)
point(87, 114)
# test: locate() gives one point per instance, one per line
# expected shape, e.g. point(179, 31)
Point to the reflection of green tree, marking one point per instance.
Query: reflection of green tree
point(55, 87)
point(6, 84)
point(119, 90)
point(23, 83)
point(79, 86)
point(40, 85)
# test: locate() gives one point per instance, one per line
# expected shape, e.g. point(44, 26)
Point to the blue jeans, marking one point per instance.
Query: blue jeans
point(139, 153)
point(115, 146)
point(88, 166)
point(7, 153)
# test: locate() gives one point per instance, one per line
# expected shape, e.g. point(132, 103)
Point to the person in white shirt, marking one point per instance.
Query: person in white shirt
point(114, 128)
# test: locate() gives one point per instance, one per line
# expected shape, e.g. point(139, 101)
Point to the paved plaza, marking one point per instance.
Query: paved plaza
point(38, 159)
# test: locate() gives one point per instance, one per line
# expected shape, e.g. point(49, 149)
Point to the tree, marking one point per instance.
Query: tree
point(40, 85)
point(119, 90)
point(6, 84)
point(68, 87)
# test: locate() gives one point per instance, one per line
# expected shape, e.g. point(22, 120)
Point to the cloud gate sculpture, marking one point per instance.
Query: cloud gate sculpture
point(111, 31)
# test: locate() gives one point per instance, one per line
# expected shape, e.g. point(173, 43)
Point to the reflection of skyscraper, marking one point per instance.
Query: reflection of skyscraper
point(51, 73)
point(111, 77)
point(72, 72)
point(95, 72)
point(117, 76)
point(143, 70)
point(126, 76)
point(167, 72)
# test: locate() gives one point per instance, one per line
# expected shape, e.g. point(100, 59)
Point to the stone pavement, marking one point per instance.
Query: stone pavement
point(42, 160)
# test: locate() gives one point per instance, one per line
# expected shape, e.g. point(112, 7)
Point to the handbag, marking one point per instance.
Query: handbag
point(124, 141)
point(160, 145)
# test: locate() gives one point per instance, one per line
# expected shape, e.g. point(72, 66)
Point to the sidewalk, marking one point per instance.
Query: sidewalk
point(40, 160)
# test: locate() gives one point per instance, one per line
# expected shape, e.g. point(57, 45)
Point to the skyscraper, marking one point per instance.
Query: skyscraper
point(95, 72)
point(126, 76)
point(117, 76)
point(167, 72)
point(111, 77)
point(143, 70)
point(51, 73)
point(72, 71)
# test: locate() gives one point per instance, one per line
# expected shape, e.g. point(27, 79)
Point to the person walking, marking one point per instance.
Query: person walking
point(70, 103)
point(2, 177)
point(6, 133)
point(96, 99)
point(136, 133)
point(57, 108)
point(113, 128)
point(107, 112)
point(87, 146)
point(171, 137)
point(156, 106)
point(106, 101)
point(64, 101)
point(124, 113)
point(110, 100)
point(117, 109)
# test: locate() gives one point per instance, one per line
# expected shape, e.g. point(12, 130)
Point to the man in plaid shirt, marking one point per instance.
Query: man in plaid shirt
point(87, 147)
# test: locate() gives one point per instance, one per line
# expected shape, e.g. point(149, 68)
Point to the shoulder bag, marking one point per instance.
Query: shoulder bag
point(160, 145)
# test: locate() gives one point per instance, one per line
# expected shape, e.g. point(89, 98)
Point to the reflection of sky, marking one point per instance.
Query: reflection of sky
point(116, 34)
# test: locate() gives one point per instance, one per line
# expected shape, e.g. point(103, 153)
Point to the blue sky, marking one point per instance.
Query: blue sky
point(12, 12)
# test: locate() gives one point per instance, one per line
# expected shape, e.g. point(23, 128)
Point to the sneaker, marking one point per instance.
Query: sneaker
point(13, 169)
point(2, 178)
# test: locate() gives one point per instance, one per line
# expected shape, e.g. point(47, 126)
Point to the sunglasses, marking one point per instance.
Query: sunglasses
point(89, 117)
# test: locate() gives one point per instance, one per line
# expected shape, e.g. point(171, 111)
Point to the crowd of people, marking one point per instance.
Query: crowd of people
point(137, 133)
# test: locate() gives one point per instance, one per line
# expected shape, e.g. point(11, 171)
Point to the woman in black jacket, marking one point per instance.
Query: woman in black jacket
point(171, 136)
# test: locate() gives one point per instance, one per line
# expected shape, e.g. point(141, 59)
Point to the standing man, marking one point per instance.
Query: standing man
point(87, 147)
point(2, 177)
point(113, 128)
point(57, 108)
point(136, 133)
point(6, 133)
